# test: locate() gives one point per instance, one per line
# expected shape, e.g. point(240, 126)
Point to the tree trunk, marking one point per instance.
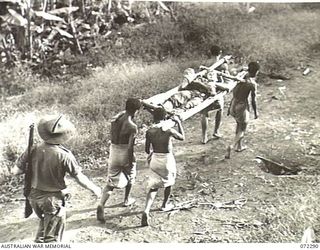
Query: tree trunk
point(29, 34)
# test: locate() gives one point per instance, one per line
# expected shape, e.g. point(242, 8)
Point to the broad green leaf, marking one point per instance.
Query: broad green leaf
point(2, 36)
point(63, 32)
point(48, 16)
point(64, 10)
point(10, 1)
point(163, 6)
point(18, 19)
point(86, 26)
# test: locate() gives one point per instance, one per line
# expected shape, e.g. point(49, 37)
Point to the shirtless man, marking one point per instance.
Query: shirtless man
point(239, 106)
point(216, 53)
point(216, 106)
point(161, 161)
point(122, 162)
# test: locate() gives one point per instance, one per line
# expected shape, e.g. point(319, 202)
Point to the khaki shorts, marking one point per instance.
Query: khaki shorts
point(121, 176)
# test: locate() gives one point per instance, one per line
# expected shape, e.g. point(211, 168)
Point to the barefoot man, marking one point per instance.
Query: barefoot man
point(217, 106)
point(161, 161)
point(239, 106)
point(122, 162)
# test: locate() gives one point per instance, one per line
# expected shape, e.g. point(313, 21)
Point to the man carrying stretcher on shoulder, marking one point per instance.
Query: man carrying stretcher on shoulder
point(161, 161)
point(239, 106)
point(122, 161)
point(218, 105)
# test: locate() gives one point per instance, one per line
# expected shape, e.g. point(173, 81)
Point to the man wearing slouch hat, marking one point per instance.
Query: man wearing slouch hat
point(50, 163)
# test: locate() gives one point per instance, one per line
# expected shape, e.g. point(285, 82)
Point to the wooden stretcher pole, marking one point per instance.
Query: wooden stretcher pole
point(190, 112)
point(150, 106)
point(160, 98)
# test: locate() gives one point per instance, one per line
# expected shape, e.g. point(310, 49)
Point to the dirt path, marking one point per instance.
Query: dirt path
point(288, 128)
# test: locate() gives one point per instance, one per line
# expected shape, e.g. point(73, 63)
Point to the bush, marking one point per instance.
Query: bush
point(279, 36)
point(89, 103)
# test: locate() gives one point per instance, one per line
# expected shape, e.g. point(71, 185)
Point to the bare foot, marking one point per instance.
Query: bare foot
point(204, 140)
point(217, 135)
point(228, 154)
point(241, 149)
point(167, 208)
point(129, 202)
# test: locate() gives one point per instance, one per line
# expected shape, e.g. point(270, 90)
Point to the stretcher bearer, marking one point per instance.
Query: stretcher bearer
point(122, 161)
point(218, 105)
point(216, 54)
point(50, 163)
point(239, 106)
point(162, 164)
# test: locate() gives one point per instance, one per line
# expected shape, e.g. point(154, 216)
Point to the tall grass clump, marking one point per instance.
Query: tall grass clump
point(146, 59)
point(277, 35)
point(104, 95)
point(89, 103)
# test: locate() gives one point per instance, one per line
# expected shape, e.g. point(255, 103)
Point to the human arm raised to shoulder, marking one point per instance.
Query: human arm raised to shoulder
point(147, 143)
point(179, 135)
point(132, 138)
point(254, 100)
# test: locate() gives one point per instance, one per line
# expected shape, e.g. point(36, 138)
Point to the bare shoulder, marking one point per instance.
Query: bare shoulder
point(130, 126)
point(114, 118)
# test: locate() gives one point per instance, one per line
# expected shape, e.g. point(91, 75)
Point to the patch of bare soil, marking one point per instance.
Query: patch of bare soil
point(220, 200)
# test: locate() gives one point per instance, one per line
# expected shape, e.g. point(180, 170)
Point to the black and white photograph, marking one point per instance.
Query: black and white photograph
point(125, 121)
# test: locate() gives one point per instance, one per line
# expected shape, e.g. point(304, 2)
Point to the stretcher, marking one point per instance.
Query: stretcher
point(184, 114)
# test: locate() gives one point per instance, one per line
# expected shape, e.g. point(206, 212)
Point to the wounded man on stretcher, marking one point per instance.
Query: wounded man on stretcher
point(193, 92)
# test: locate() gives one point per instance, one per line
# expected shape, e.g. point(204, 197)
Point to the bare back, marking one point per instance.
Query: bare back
point(160, 140)
point(242, 90)
point(122, 128)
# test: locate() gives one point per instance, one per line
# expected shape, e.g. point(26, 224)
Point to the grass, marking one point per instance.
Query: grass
point(278, 35)
point(151, 60)
point(89, 103)
point(288, 214)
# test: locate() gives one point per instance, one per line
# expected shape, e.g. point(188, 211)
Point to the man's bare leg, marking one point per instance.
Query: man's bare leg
point(127, 199)
point(240, 147)
point(107, 191)
point(150, 199)
point(217, 124)
point(236, 141)
point(204, 126)
point(165, 206)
